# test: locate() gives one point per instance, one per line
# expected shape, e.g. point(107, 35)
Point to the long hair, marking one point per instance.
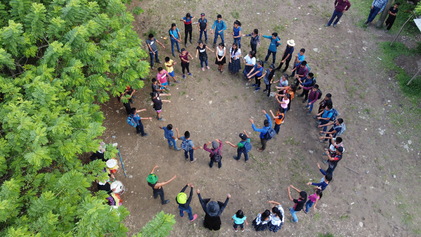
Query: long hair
point(234, 50)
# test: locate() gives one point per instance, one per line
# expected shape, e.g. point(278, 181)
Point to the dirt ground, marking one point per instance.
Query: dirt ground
point(375, 185)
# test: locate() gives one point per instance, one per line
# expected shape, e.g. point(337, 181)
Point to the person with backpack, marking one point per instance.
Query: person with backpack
point(313, 96)
point(306, 84)
point(203, 27)
point(243, 147)
point(158, 188)
point(298, 203)
point(279, 119)
point(301, 72)
point(215, 153)
point(337, 129)
point(175, 38)
point(326, 116)
point(169, 135)
point(266, 133)
point(213, 211)
point(184, 202)
point(135, 120)
point(275, 41)
point(188, 146)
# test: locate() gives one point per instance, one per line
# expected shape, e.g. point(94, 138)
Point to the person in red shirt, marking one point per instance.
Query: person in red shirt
point(340, 7)
point(185, 62)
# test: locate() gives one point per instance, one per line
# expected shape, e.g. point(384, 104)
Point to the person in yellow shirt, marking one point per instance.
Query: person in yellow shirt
point(169, 65)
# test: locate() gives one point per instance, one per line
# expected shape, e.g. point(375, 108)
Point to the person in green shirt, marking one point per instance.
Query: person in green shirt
point(243, 147)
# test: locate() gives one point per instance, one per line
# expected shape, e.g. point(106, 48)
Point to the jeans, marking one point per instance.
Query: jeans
point(286, 63)
point(152, 55)
point(211, 163)
point(263, 141)
point(128, 107)
point(216, 37)
point(242, 151)
point(323, 122)
point(172, 46)
point(206, 35)
point(188, 30)
point(305, 94)
point(268, 89)
point(277, 128)
point(172, 143)
point(238, 225)
point(187, 153)
point(373, 13)
point(257, 82)
point(389, 22)
point(203, 61)
point(293, 214)
point(185, 66)
point(188, 210)
point(309, 204)
point(140, 129)
point(160, 193)
point(310, 106)
point(336, 15)
point(273, 56)
point(253, 47)
point(238, 42)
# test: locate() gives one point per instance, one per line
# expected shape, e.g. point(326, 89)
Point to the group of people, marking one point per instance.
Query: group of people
point(300, 78)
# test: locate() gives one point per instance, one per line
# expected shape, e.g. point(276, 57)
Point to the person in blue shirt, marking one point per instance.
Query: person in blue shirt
point(267, 125)
point(376, 8)
point(138, 120)
point(298, 60)
point(275, 41)
point(169, 135)
point(326, 116)
point(219, 26)
point(175, 38)
point(236, 33)
point(258, 72)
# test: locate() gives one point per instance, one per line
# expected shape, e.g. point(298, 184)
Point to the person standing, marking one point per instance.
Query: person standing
point(392, 16)
point(299, 203)
point(203, 27)
point(188, 27)
point(243, 147)
point(275, 41)
point(286, 58)
point(219, 26)
point(203, 56)
point(234, 64)
point(215, 153)
point(213, 211)
point(236, 33)
point(220, 57)
point(135, 120)
point(185, 62)
point(254, 39)
point(184, 202)
point(258, 72)
point(175, 38)
point(376, 8)
point(188, 146)
point(340, 7)
point(267, 125)
point(153, 49)
point(169, 135)
point(127, 97)
point(158, 188)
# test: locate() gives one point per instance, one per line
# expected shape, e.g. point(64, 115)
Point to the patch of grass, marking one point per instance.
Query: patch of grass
point(325, 235)
point(137, 10)
point(235, 15)
point(407, 218)
point(279, 28)
point(181, 93)
point(291, 141)
point(344, 217)
point(316, 216)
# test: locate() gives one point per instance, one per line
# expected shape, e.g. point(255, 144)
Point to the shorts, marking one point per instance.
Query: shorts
point(164, 84)
point(159, 111)
point(172, 74)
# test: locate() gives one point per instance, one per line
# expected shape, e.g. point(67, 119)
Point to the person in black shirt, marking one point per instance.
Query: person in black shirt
point(158, 188)
point(213, 211)
point(392, 16)
point(157, 104)
point(299, 203)
point(184, 202)
point(286, 58)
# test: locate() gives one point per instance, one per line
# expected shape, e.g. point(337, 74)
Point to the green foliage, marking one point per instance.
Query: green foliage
point(325, 235)
point(160, 226)
point(58, 59)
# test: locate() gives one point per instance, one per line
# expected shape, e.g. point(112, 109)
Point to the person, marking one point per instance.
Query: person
point(203, 56)
point(136, 121)
point(334, 159)
point(268, 79)
point(175, 38)
point(283, 100)
point(313, 199)
point(215, 153)
point(169, 135)
point(313, 96)
point(156, 87)
point(298, 203)
point(99, 154)
point(127, 98)
point(306, 84)
point(275, 41)
point(219, 26)
point(153, 49)
point(298, 60)
point(158, 188)
point(277, 217)
point(169, 65)
point(377, 7)
point(185, 62)
point(235, 55)
point(258, 72)
point(239, 220)
point(286, 58)
point(323, 183)
point(184, 202)
point(162, 76)
point(301, 72)
point(392, 16)
point(203, 27)
point(279, 119)
point(243, 147)
point(337, 128)
point(267, 125)
point(325, 117)
point(254, 40)
point(188, 146)
point(220, 59)
point(157, 105)
point(188, 27)
point(236, 33)
point(213, 211)
point(260, 223)
point(249, 62)
point(341, 6)
point(283, 81)
point(327, 100)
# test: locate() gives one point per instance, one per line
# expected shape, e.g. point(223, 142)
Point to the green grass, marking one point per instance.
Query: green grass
point(325, 235)
point(235, 15)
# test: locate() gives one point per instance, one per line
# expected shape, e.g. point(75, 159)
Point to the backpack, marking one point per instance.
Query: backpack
point(186, 145)
point(130, 120)
point(269, 134)
point(320, 93)
point(276, 43)
point(313, 82)
point(216, 157)
point(343, 129)
point(247, 146)
point(335, 114)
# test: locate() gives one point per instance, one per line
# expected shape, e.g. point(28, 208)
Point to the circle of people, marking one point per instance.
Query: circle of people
point(303, 79)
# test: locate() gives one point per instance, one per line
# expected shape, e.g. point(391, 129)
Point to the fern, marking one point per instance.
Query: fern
point(160, 226)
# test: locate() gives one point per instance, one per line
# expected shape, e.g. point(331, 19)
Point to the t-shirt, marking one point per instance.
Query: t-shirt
point(202, 23)
point(237, 220)
point(249, 60)
point(241, 144)
point(168, 134)
point(162, 77)
point(273, 42)
point(301, 57)
point(202, 51)
point(236, 31)
point(258, 70)
point(235, 53)
point(174, 33)
point(299, 203)
point(157, 103)
point(169, 66)
point(152, 44)
point(289, 50)
point(185, 57)
point(187, 21)
point(327, 114)
point(285, 105)
point(313, 197)
point(155, 87)
point(283, 83)
point(279, 118)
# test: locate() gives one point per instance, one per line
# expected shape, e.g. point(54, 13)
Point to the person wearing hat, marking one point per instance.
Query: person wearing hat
point(267, 125)
point(213, 211)
point(219, 26)
point(286, 58)
point(243, 147)
point(203, 26)
point(184, 202)
point(158, 188)
point(112, 166)
point(215, 153)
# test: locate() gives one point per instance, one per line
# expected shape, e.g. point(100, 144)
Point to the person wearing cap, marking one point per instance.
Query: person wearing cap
point(298, 203)
point(341, 6)
point(267, 125)
point(243, 147)
point(184, 202)
point(219, 26)
point(203, 26)
point(158, 188)
point(286, 58)
point(215, 153)
point(213, 211)
point(333, 160)
point(188, 27)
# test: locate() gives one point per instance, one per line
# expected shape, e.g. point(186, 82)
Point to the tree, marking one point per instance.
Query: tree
point(58, 59)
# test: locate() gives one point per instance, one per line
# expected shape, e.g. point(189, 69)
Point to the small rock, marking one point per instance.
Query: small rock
point(409, 142)
point(394, 176)
point(117, 111)
point(361, 224)
point(130, 176)
point(210, 102)
point(316, 50)
point(310, 151)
